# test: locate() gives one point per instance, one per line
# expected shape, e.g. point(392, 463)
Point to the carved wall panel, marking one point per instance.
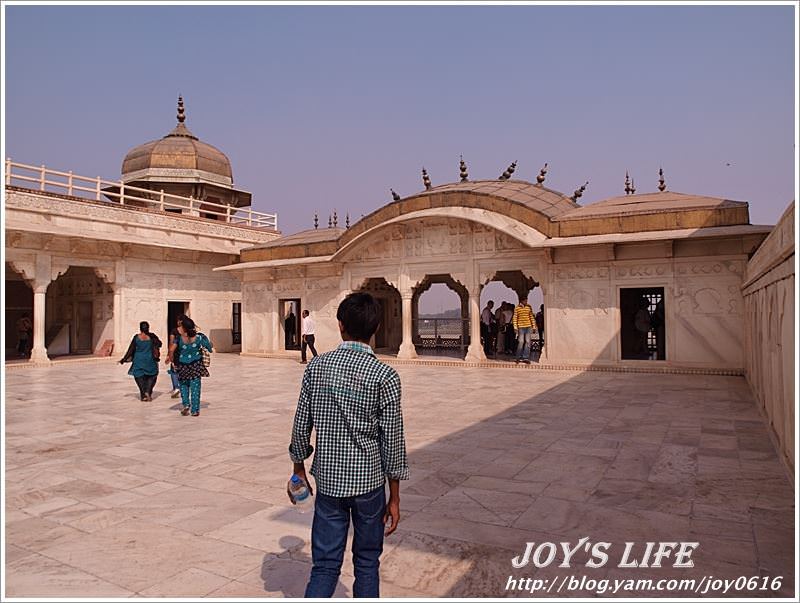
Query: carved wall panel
point(650, 270)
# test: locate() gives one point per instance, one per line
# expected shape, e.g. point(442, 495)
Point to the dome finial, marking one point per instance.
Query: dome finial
point(627, 183)
point(541, 176)
point(662, 185)
point(330, 221)
point(426, 179)
point(395, 196)
point(509, 170)
point(579, 192)
point(347, 220)
point(633, 187)
point(463, 169)
point(335, 219)
point(181, 112)
point(316, 220)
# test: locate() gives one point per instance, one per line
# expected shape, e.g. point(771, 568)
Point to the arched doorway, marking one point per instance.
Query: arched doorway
point(18, 315)
point(505, 289)
point(389, 335)
point(80, 314)
point(440, 331)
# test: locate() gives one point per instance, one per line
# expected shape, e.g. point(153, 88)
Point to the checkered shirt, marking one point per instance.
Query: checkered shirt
point(353, 401)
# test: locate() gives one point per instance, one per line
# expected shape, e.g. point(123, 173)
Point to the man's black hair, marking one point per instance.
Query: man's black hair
point(360, 315)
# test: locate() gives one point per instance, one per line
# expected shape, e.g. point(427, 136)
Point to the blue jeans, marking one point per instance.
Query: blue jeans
point(524, 343)
point(329, 536)
point(174, 376)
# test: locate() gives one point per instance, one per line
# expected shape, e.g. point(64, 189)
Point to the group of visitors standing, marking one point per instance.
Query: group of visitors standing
point(187, 358)
point(509, 330)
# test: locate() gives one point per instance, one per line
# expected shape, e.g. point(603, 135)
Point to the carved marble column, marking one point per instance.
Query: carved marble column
point(475, 351)
point(407, 349)
point(39, 351)
point(118, 344)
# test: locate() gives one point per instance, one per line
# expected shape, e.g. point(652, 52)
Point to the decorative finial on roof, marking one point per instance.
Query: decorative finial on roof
point(463, 169)
point(395, 196)
point(662, 185)
point(541, 176)
point(316, 221)
point(579, 192)
point(330, 221)
point(627, 183)
point(347, 220)
point(181, 112)
point(633, 187)
point(335, 219)
point(509, 170)
point(426, 180)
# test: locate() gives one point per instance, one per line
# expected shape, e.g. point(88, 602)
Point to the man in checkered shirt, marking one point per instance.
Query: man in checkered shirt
point(353, 401)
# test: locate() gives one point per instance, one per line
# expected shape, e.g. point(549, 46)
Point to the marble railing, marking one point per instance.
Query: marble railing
point(43, 179)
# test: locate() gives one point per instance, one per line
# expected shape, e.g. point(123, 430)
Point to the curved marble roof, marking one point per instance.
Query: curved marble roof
point(547, 211)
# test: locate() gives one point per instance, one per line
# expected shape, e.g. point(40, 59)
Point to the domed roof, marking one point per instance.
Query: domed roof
point(178, 156)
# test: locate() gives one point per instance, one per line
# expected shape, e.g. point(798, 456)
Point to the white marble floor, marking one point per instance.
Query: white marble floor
point(109, 496)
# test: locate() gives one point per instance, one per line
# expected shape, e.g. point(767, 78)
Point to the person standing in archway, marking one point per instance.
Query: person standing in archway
point(540, 326)
point(524, 324)
point(487, 321)
point(24, 332)
point(290, 328)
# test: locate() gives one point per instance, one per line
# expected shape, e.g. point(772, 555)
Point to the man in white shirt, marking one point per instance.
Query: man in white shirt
point(308, 337)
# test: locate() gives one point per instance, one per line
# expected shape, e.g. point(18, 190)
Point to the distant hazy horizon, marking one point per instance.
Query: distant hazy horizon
point(327, 107)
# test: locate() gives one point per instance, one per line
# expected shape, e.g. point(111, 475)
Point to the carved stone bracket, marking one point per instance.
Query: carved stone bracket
point(26, 269)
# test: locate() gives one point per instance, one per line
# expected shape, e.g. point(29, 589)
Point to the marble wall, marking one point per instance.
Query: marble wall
point(581, 286)
point(769, 306)
point(136, 282)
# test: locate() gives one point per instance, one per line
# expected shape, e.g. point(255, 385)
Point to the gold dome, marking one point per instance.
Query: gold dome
point(177, 157)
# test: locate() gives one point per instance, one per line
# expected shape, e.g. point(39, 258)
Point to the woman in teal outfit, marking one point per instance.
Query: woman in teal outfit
point(186, 357)
point(144, 351)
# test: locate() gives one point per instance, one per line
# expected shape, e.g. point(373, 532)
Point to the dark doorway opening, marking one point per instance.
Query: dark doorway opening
point(643, 325)
point(289, 310)
point(236, 323)
point(175, 309)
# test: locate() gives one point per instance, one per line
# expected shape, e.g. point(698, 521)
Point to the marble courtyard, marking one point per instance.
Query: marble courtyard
point(108, 496)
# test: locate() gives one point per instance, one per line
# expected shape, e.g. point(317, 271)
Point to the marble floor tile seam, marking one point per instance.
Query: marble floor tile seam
point(77, 569)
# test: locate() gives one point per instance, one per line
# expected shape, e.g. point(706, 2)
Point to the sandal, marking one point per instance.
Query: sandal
point(196, 414)
point(185, 411)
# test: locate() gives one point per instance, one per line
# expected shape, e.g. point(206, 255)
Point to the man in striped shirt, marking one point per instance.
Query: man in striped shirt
point(524, 326)
point(353, 401)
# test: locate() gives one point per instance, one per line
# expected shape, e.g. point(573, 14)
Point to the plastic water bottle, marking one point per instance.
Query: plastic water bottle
point(300, 493)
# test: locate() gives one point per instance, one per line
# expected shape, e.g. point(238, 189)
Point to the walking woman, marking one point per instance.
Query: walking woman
point(186, 356)
point(173, 373)
point(145, 352)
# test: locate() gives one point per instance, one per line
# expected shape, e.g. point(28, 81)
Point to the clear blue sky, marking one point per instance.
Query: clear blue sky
point(327, 107)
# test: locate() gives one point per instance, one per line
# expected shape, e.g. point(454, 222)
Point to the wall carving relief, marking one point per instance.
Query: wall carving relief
point(711, 268)
point(708, 301)
point(569, 273)
point(640, 270)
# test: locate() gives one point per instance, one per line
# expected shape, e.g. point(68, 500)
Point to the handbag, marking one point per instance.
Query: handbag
point(206, 356)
